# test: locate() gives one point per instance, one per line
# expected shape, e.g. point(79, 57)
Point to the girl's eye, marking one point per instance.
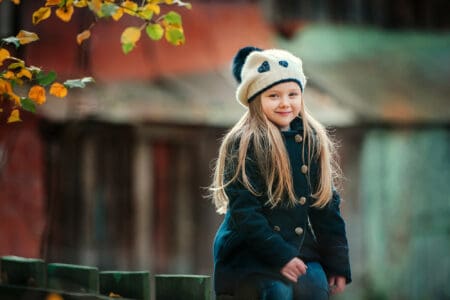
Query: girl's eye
point(273, 96)
point(293, 94)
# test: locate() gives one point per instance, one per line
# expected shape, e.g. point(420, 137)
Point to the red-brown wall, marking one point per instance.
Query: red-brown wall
point(22, 192)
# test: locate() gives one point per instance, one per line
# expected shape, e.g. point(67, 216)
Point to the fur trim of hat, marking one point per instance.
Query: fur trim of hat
point(258, 70)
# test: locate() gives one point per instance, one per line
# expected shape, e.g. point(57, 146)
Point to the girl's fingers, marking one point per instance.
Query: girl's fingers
point(291, 278)
point(340, 284)
point(337, 284)
point(289, 275)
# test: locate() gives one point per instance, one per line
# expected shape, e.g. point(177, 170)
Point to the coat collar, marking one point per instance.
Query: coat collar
point(297, 124)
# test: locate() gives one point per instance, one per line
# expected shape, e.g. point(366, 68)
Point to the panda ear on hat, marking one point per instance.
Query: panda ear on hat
point(239, 60)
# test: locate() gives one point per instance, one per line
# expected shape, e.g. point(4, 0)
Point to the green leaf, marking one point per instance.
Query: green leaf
point(12, 40)
point(16, 65)
point(127, 47)
point(45, 79)
point(28, 105)
point(155, 31)
point(173, 18)
point(108, 9)
point(78, 83)
point(175, 36)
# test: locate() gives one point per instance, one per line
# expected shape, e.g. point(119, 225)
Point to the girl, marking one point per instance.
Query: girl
point(282, 236)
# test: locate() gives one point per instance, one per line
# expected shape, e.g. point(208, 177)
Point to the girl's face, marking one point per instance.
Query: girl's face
point(282, 103)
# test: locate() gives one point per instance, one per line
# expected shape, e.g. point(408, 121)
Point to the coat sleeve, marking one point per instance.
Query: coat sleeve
point(329, 228)
point(252, 225)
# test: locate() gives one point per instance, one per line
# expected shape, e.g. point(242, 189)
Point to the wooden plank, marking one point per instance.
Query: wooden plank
point(134, 285)
point(11, 292)
point(186, 287)
point(162, 206)
point(143, 201)
point(22, 271)
point(72, 278)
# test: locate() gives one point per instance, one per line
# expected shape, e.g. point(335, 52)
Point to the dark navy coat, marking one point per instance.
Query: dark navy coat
point(255, 239)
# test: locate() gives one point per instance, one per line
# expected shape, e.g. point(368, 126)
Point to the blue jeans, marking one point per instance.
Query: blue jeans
point(311, 286)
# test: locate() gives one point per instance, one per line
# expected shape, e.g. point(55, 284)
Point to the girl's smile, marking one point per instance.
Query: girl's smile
point(282, 103)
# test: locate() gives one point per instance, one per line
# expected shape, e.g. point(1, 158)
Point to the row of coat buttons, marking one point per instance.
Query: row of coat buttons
point(298, 138)
point(303, 169)
point(298, 230)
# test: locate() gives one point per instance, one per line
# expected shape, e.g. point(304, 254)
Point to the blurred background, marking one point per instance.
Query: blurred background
point(115, 174)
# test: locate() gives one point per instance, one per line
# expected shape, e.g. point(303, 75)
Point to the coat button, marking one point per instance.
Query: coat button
point(298, 230)
point(302, 200)
point(304, 169)
point(298, 138)
point(276, 228)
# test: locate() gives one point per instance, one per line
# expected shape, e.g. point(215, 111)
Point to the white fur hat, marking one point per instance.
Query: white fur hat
point(262, 69)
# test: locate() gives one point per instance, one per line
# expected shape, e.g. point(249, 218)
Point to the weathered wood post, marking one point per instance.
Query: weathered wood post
point(22, 271)
point(186, 287)
point(135, 285)
point(72, 278)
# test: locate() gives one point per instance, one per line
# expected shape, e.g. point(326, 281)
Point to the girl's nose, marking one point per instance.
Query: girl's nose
point(284, 101)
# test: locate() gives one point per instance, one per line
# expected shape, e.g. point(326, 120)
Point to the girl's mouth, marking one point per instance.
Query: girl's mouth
point(284, 113)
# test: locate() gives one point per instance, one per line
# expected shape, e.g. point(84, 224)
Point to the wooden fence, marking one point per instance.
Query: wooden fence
point(33, 279)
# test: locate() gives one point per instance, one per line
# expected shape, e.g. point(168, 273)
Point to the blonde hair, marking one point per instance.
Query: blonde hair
point(256, 131)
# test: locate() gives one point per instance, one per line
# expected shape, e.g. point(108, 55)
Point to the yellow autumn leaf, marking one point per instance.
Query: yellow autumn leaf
point(155, 8)
point(168, 2)
point(41, 14)
point(65, 13)
point(113, 295)
point(118, 14)
point(52, 2)
point(9, 75)
point(4, 54)
point(96, 7)
point(83, 36)
point(26, 37)
point(14, 98)
point(80, 3)
point(14, 116)
point(129, 7)
point(54, 296)
point(145, 14)
point(16, 2)
point(37, 94)
point(5, 87)
point(130, 35)
point(24, 73)
point(58, 90)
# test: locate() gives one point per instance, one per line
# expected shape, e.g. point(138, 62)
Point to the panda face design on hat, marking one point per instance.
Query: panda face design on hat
point(262, 70)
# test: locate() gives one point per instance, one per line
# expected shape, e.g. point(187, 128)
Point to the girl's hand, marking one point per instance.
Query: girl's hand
point(293, 269)
point(337, 284)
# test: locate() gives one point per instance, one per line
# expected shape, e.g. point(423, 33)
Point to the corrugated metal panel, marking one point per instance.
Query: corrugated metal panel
point(406, 214)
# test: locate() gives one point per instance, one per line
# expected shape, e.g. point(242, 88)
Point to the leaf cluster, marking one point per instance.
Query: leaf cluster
point(148, 11)
point(15, 73)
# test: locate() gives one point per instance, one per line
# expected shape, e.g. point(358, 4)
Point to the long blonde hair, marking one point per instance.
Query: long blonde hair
point(256, 131)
